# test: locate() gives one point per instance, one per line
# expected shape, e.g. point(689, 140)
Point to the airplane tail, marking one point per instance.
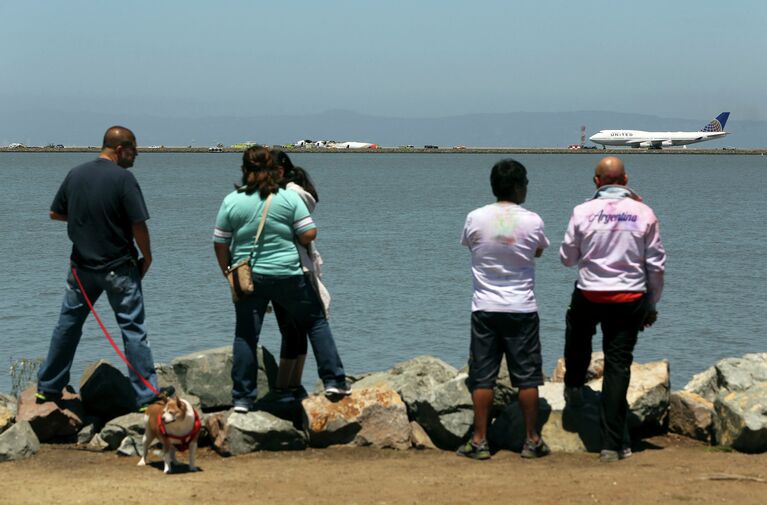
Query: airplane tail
point(717, 125)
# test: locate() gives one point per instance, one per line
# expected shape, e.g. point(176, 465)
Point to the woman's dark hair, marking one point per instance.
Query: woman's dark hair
point(293, 173)
point(259, 160)
point(506, 177)
point(301, 177)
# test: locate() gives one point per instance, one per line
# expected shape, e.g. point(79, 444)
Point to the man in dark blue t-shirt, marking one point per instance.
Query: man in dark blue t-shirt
point(105, 213)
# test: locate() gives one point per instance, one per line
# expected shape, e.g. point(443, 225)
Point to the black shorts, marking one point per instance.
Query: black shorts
point(494, 334)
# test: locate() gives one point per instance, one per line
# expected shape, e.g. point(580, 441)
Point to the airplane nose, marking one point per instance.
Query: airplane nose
point(594, 137)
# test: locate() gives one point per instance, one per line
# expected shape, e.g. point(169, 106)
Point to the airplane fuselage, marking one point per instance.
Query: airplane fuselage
point(639, 138)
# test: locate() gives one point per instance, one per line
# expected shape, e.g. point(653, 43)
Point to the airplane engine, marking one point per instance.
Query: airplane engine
point(667, 143)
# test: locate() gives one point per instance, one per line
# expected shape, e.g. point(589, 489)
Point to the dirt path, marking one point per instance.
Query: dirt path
point(665, 470)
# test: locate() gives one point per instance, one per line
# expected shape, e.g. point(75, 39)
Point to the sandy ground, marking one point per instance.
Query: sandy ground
point(664, 470)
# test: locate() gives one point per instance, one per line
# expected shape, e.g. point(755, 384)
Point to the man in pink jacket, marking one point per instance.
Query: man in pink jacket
point(614, 239)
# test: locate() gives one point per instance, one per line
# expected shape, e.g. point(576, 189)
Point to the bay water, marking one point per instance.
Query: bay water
point(389, 229)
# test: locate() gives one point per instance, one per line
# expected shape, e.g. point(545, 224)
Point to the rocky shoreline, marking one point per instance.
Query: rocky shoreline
point(422, 403)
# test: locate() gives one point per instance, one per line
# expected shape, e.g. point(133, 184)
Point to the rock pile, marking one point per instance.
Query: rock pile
point(420, 403)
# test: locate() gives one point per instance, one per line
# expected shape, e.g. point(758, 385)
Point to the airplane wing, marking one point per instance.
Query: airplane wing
point(656, 142)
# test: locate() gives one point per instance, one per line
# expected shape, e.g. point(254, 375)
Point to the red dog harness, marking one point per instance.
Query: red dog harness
point(184, 440)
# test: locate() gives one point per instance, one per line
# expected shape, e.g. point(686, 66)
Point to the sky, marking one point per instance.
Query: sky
point(173, 58)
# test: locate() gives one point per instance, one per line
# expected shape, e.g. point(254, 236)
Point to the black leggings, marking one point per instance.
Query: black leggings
point(294, 339)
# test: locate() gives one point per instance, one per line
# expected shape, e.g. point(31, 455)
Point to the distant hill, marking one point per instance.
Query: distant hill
point(515, 129)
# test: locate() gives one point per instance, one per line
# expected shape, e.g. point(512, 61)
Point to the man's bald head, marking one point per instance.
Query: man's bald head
point(610, 170)
point(119, 145)
point(118, 136)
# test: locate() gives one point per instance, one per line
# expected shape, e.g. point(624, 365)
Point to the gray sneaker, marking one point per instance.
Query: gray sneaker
point(531, 450)
point(608, 456)
point(474, 451)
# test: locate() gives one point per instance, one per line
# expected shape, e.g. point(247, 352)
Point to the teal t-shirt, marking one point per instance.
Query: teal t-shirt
point(276, 253)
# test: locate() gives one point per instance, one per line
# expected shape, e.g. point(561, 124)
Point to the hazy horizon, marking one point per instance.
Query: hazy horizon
point(74, 68)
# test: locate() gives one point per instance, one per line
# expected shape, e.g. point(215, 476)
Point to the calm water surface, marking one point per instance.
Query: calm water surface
point(389, 226)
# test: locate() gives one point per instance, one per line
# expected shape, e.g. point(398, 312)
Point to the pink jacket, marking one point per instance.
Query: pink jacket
point(615, 241)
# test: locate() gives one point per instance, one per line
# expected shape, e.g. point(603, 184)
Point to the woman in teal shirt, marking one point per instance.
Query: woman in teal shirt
point(277, 273)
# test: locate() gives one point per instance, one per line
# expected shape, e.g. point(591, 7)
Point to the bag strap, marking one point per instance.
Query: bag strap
point(261, 225)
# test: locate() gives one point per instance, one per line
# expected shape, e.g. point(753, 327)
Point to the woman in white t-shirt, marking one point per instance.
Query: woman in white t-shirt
point(294, 340)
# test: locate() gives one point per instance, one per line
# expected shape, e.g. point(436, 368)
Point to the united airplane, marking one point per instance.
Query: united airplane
point(658, 140)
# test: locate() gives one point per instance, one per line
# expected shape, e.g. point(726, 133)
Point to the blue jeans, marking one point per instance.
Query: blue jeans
point(302, 305)
point(123, 288)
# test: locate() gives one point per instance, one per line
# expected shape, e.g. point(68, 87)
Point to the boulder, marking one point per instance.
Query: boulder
point(254, 431)
point(18, 442)
point(419, 439)
point(116, 430)
point(564, 430)
point(6, 418)
point(130, 446)
point(207, 375)
point(166, 376)
point(595, 371)
point(648, 396)
point(368, 417)
point(742, 419)
point(574, 430)
point(691, 415)
point(730, 374)
point(106, 393)
point(8, 402)
point(97, 444)
point(51, 420)
point(435, 394)
point(85, 435)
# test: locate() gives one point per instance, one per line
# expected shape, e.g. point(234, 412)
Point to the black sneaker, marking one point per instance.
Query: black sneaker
point(471, 450)
point(531, 450)
point(573, 397)
point(163, 393)
point(299, 393)
point(338, 390)
point(42, 397)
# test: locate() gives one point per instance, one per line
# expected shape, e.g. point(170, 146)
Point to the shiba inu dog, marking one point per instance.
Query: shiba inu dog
point(176, 424)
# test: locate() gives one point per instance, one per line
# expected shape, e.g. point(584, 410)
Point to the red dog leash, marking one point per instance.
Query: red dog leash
point(109, 337)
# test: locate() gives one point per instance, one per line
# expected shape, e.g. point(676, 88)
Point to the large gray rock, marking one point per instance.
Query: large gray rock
point(130, 446)
point(18, 442)
point(166, 376)
point(729, 374)
point(435, 394)
point(106, 393)
point(59, 420)
point(368, 417)
point(413, 378)
point(116, 430)
point(255, 431)
point(691, 415)
point(207, 375)
point(742, 419)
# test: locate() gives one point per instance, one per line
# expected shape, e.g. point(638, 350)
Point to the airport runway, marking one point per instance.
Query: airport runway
point(419, 150)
